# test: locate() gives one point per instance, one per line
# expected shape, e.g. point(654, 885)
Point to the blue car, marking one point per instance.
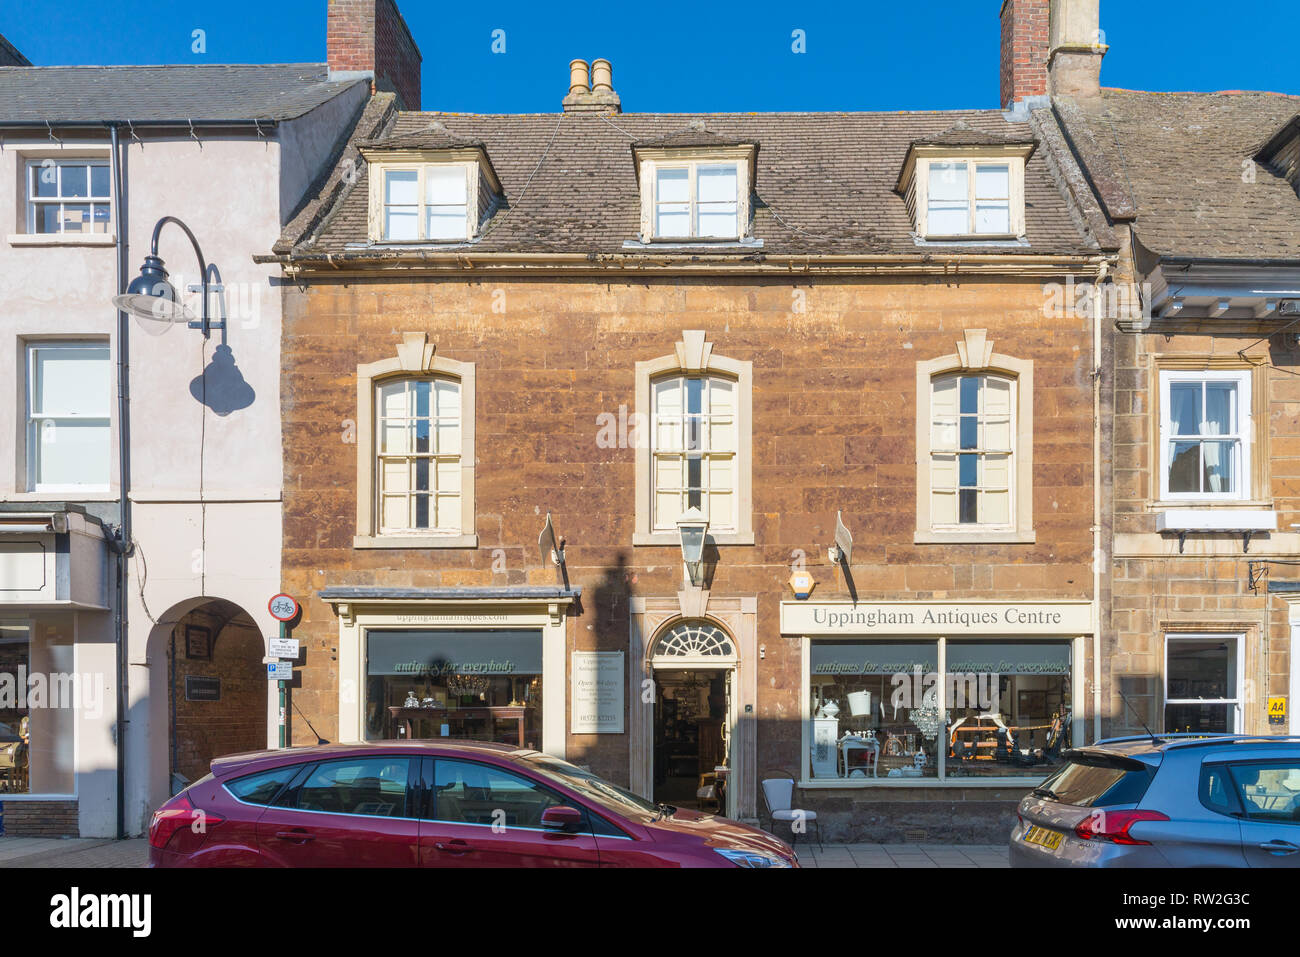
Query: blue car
point(1227, 800)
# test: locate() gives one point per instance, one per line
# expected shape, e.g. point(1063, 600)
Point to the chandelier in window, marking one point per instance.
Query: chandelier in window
point(463, 685)
point(928, 721)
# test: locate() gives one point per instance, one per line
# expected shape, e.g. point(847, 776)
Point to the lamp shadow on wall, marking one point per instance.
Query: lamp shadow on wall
point(222, 386)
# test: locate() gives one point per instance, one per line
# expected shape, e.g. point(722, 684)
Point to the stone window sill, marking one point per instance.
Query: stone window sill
point(62, 239)
point(672, 540)
point(1006, 537)
point(415, 541)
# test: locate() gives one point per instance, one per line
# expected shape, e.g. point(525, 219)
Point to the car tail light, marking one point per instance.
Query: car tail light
point(1113, 826)
point(180, 815)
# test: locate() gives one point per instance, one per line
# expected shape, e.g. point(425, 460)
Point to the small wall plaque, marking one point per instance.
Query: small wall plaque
point(202, 688)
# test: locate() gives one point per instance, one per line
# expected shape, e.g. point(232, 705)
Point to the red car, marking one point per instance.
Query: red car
point(435, 804)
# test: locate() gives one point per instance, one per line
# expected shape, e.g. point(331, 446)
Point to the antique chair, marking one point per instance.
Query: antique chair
point(777, 789)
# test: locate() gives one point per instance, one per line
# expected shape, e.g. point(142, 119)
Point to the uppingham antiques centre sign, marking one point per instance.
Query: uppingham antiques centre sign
point(936, 618)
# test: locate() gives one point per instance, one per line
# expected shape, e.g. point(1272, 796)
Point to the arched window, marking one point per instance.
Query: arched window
point(694, 641)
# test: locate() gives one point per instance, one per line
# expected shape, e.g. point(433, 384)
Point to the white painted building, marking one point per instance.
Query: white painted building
point(231, 151)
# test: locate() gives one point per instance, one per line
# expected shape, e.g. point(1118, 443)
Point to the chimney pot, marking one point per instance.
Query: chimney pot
point(602, 76)
point(578, 77)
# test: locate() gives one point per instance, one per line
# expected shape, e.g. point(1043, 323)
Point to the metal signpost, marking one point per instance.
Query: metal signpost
point(283, 608)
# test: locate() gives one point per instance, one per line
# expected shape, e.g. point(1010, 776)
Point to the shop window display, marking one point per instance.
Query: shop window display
point(878, 711)
point(483, 685)
point(1008, 705)
point(872, 711)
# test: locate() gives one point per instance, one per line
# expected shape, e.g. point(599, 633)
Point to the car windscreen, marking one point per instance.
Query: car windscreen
point(1088, 781)
point(590, 786)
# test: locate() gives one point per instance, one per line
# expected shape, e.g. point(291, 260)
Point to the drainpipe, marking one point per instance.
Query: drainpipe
point(1097, 314)
point(124, 541)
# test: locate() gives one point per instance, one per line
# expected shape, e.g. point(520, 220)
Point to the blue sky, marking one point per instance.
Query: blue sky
point(868, 55)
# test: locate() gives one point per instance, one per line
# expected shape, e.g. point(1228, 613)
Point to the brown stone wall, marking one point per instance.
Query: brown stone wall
point(1207, 586)
point(834, 428)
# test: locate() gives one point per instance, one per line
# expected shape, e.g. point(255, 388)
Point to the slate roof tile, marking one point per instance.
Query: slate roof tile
point(1184, 165)
point(173, 93)
point(824, 182)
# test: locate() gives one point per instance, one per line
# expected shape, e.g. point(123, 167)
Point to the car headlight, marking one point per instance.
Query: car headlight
point(752, 858)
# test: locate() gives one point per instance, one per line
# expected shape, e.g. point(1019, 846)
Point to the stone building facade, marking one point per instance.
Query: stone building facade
point(832, 337)
point(1199, 408)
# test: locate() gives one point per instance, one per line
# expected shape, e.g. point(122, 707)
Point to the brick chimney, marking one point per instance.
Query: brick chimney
point(1025, 34)
point(9, 55)
point(370, 38)
point(1050, 47)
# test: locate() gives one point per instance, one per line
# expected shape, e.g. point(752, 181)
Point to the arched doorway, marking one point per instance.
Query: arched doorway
point(693, 663)
point(205, 694)
point(216, 689)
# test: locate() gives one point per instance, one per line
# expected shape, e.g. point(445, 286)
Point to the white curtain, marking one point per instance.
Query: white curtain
point(1213, 452)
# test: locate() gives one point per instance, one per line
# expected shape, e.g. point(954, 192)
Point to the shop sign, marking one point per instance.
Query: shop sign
point(202, 688)
point(927, 618)
point(496, 619)
point(597, 698)
point(1277, 709)
point(498, 652)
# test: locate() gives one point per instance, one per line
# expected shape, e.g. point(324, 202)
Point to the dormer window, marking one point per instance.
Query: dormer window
point(427, 202)
point(697, 200)
point(437, 195)
point(968, 198)
point(696, 189)
point(965, 185)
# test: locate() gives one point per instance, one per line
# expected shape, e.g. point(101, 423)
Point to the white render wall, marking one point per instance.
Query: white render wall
point(205, 487)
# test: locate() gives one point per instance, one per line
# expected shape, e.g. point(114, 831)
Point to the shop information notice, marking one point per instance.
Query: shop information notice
point(597, 692)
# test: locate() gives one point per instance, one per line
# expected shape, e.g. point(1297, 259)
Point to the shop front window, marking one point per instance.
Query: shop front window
point(1009, 707)
point(478, 685)
point(39, 695)
point(874, 710)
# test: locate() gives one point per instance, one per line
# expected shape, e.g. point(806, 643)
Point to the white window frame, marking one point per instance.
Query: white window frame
point(1236, 702)
point(914, 185)
point(651, 160)
point(693, 355)
point(378, 172)
point(34, 421)
point(32, 202)
point(705, 452)
point(975, 356)
point(693, 201)
point(415, 358)
point(435, 458)
point(1245, 422)
point(981, 451)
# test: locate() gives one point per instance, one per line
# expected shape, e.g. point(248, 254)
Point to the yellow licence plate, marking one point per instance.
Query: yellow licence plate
point(1044, 838)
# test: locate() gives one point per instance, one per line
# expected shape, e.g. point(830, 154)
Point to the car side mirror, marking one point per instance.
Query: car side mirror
point(561, 818)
